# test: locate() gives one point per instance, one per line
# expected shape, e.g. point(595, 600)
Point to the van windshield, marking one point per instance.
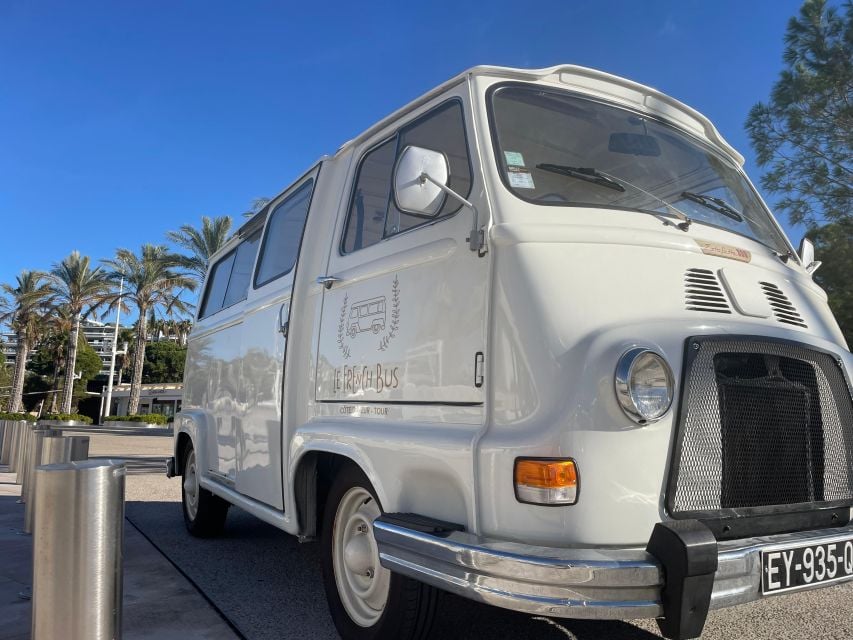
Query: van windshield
point(555, 148)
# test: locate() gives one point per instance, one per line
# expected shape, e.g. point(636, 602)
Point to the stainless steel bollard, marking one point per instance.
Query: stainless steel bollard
point(79, 447)
point(47, 448)
point(77, 551)
point(6, 445)
point(54, 448)
point(13, 447)
point(31, 461)
point(23, 451)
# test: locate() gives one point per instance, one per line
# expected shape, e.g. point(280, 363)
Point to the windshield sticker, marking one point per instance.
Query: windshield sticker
point(514, 158)
point(724, 251)
point(520, 178)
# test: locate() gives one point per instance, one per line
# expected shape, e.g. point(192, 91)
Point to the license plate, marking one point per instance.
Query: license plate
point(801, 566)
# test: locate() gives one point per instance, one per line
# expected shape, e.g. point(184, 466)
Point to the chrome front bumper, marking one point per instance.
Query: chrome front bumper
point(571, 583)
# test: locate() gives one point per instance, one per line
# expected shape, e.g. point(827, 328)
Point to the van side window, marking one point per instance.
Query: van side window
point(441, 130)
point(283, 236)
point(229, 278)
point(366, 220)
point(373, 215)
point(241, 271)
point(217, 285)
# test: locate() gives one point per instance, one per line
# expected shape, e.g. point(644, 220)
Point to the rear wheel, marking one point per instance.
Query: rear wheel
point(366, 600)
point(204, 513)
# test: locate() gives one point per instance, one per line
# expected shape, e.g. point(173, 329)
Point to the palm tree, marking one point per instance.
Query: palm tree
point(151, 281)
point(125, 356)
point(28, 299)
point(82, 289)
point(182, 330)
point(201, 243)
point(58, 325)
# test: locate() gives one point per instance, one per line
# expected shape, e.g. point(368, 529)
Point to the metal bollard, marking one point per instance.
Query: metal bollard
point(77, 550)
point(79, 447)
point(6, 445)
point(47, 448)
point(53, 448)
point(23, 451)
point(31, 461)
point(2, 433)
point(13, 446)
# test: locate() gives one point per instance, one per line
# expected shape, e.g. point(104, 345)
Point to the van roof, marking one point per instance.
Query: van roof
point(582, 79)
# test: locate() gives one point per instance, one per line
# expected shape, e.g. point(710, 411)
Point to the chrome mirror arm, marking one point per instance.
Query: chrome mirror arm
point(477, 239)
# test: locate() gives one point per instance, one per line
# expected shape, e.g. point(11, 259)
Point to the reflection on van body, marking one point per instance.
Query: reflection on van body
point(522, 279)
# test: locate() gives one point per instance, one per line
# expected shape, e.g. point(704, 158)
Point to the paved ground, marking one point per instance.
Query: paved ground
point(268, 585)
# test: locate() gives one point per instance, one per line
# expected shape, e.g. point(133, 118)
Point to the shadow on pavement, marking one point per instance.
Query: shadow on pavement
point(269, 585)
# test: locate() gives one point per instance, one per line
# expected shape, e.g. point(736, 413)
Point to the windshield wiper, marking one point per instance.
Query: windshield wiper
point(587, 174)
point(616, 183)
point(715, 204)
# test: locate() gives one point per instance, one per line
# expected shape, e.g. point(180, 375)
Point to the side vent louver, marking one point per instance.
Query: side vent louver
point(782, 307)
point(702, 292)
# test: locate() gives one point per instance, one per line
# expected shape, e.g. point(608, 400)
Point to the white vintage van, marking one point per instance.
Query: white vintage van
point(536, 340)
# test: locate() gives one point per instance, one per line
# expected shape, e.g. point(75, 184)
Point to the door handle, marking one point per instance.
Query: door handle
point(284, 318)
point(328, 281)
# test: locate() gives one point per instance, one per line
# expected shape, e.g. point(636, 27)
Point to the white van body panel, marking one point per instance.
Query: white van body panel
point(215, 350)
point(422, 347)
point(263, 348)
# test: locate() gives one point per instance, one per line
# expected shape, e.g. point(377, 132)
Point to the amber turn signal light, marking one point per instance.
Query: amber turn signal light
point(548, 481)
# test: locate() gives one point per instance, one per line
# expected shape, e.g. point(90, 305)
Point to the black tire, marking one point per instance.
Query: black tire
point(411, 605)
point(211, 510)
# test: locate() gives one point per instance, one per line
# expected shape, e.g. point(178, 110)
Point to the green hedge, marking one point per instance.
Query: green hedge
point(17, 416)
point(68, 417)
point(148, 418)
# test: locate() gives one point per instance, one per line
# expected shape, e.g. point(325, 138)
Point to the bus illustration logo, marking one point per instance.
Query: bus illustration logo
point(374, 316)
point(367, 315)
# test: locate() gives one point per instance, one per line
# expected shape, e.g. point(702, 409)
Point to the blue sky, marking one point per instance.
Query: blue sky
point(122, 120)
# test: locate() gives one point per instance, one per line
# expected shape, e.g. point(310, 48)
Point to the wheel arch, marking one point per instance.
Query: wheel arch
point(190, 429)
point(313, 473)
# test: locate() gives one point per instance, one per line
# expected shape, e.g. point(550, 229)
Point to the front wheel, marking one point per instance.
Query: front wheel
point(366, 600)
point(204, 513)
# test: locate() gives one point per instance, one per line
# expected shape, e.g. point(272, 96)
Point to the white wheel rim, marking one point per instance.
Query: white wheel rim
point(191, 486)
point(362, 582)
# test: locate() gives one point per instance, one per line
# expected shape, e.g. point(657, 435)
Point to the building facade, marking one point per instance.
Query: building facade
point(153, 398)
point(99, 335)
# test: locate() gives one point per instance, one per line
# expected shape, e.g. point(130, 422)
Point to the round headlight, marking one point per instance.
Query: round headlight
point(644, 385)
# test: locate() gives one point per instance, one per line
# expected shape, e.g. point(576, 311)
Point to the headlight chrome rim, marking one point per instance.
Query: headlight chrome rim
point(624, 395)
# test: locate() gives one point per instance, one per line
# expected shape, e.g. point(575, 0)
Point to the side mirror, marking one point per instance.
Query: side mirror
point(413, 193)
point(807, 256)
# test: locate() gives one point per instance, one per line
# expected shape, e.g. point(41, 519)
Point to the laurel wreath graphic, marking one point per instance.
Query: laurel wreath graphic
point(342, 329)
point(395, 316)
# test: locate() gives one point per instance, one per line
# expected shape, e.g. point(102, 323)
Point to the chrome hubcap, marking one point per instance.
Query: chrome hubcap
point(191, 486)
point(362, 582)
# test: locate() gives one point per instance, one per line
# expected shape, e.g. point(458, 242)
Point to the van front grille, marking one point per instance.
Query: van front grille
point(763, 425)
point(702, 292)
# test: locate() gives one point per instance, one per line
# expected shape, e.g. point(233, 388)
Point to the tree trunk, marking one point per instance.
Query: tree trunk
point(54, 385)
point(138, 361)
point(70, 365)
point(21, 354)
